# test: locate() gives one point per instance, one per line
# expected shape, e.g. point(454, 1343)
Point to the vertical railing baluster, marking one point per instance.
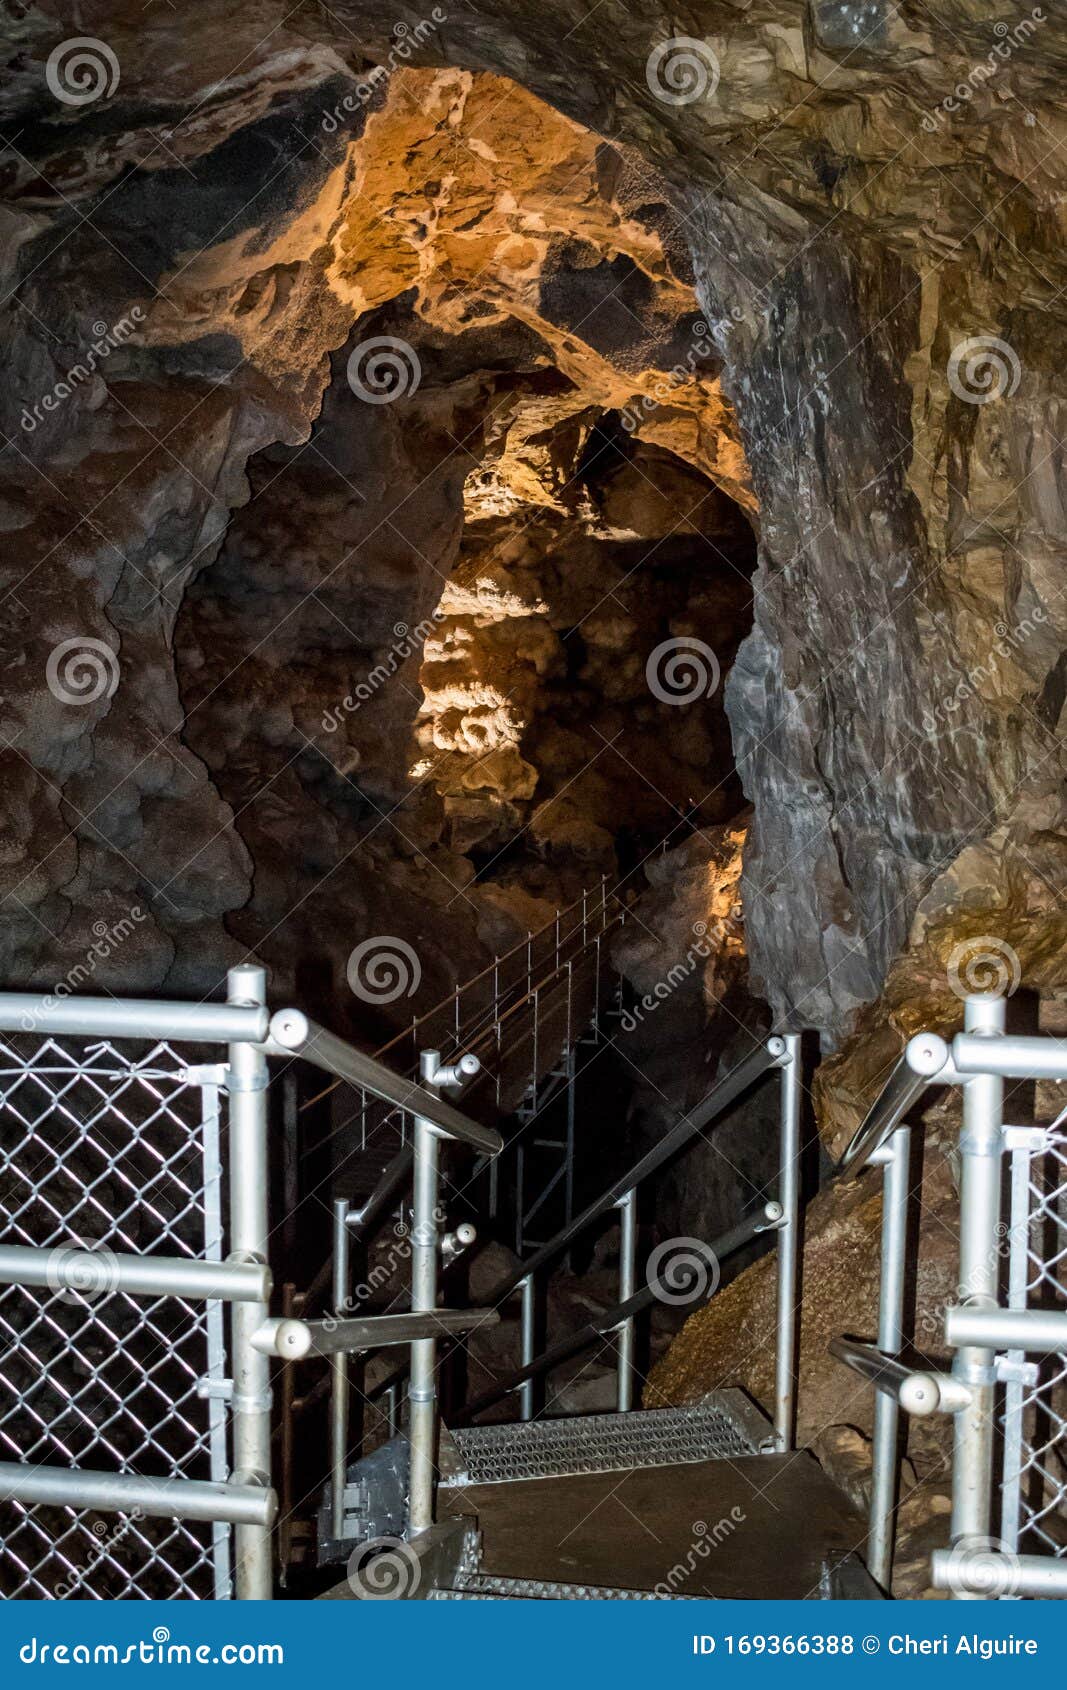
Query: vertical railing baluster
point(1015, 1391)
point(246, 1086)
point(980, 1175)
point(422, 1391)
point(895, 1156)
point(625, 1333)
point(788, 1255)
point(339, 1374)
point(529, 1320)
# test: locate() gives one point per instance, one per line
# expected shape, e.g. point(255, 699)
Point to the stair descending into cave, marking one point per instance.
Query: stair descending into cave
point(667, 1504)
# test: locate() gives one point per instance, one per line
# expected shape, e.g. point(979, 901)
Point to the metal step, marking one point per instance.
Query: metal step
point(725, 1426)
point(482, 1587)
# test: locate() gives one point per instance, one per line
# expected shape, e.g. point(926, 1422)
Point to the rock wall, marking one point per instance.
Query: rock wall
point(872, 203)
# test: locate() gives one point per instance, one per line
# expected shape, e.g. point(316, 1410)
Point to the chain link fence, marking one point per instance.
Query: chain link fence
point(1034, 1487)
point(110, 1147)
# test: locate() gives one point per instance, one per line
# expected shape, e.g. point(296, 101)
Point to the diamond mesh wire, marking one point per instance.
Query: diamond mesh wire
point(103, 1150)
point(1035, 1421)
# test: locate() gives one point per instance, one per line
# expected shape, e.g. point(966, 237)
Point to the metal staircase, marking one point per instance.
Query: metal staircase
point(663, 1505)
point(125, 1400)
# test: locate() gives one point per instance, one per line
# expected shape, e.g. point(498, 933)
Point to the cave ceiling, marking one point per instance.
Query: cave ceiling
point(860, 205)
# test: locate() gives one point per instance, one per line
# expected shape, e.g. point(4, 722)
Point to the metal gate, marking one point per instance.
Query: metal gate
point(116, 1402)
point(1034, 1485)
point(1007, 1334)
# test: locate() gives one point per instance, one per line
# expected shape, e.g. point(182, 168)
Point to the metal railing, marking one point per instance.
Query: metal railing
point(1007, 1387)
point(780, 1216)
point(119, 1394)
point(114, 1388)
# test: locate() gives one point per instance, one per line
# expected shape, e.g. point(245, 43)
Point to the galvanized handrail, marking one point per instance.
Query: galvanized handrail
point(924, 1061)
point(882, 1371)
point(776, 1053)
point(722, 1094)
point(992, 1340)
point(764, 1220)
point(292, 1033)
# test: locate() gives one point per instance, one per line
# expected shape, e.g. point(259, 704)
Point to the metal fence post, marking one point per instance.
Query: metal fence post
point(884, 1445)
point(980, 1178)
point(789, 1198)
point(529, 1322)
point(339, 1380)
point(422, 1392)
point(246, 1085)
point(627, 1207)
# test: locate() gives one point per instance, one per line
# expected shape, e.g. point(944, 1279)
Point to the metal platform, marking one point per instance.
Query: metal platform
point(754, 1526)
point(723, 1427)
point(479, 1587)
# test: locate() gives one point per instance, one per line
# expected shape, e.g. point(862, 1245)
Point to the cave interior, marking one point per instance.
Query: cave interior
point(559, 566)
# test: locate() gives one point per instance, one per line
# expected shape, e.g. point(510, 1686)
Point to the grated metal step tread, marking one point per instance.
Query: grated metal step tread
point(725, 1426)
point(482, 1587)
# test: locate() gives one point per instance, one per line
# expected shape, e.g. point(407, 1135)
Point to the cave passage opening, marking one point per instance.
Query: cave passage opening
point(461, 657)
